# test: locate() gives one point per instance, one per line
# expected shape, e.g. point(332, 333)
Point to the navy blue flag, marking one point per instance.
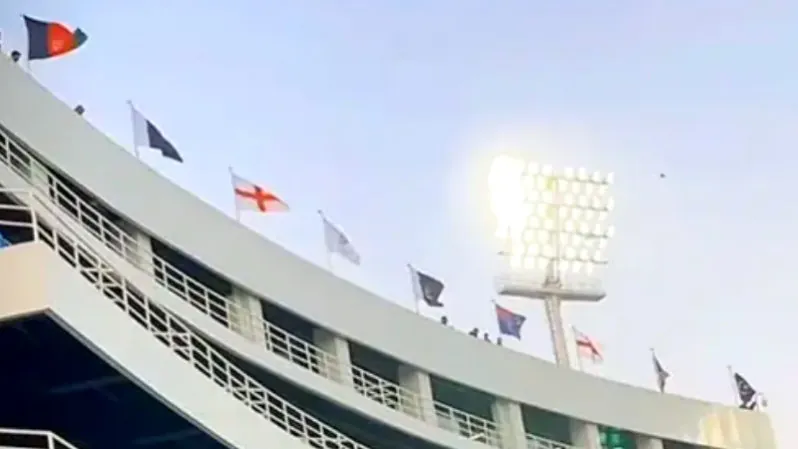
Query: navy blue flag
point(660, 372)
point(510, 323)
point(145, 134)
point(748, 395)
point(426, 288)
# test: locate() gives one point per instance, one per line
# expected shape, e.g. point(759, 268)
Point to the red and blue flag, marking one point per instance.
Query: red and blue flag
point(51, 39)
point(510, 323)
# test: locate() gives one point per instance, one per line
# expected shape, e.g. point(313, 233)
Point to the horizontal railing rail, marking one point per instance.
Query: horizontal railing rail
point(545, 443)
point(32, 439)
point(234, 316)
point(170, 330)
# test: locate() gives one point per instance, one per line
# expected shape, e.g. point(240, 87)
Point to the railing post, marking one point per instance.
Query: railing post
point(33, 218)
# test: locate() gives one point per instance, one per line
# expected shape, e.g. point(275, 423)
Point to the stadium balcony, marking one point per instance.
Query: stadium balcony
point(365, 393)
point(322, 359)
point(70, 324)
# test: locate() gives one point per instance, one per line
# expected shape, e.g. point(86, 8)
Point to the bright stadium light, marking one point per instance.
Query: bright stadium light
point(555, 231)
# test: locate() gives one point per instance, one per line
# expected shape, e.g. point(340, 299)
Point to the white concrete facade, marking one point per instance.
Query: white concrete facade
point(511, 421)
point(647, 442)
point(339, 347)
point(34, 280)
point(246, 316)
point(585, 435)
point(421, 405)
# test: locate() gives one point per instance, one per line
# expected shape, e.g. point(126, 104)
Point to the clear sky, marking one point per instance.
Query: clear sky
point(387, 114)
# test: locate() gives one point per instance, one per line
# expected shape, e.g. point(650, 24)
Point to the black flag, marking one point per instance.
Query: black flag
point(748, 396)
point(659, 372)
point(426, 288)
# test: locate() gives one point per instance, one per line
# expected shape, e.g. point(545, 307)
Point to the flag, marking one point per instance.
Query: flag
point(51, 39)
point(250, 196)
point(338, 242)
point(587, 348)
point(145, 134)
point(426, 288)
point(747, 394)
point(660, 373)
point(510, 323)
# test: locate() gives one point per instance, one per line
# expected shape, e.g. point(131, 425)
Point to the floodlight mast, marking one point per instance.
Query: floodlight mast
point(531, 200)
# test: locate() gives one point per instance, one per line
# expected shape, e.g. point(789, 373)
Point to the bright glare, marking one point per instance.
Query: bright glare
point(544, 215)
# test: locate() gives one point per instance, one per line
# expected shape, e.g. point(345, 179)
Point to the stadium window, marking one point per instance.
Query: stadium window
point(546, 424)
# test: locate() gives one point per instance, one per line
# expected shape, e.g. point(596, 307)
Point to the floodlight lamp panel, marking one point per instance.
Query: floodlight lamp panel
point(548, 251)
point(598, 257)
point(569, 199)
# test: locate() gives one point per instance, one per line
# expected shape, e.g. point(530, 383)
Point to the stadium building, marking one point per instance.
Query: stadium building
point(124, 324)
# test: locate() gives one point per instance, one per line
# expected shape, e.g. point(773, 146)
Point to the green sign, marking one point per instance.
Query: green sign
point(612, 438)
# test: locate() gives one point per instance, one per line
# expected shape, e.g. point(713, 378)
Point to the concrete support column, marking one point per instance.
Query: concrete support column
point(585, 435)
point(338, 368)
point(421, 403)
point(647, 442)
point(507, 414)
point(40, 179)
point(245, 316)
point(138, 250)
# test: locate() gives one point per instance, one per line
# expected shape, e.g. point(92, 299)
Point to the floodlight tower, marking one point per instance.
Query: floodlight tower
point(554, 228)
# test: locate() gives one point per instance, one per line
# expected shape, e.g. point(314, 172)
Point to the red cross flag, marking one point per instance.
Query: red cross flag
point(587, 348)
point(250, 196)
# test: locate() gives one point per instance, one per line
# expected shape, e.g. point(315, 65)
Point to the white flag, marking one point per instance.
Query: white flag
point(250, 196)
point(338, 242)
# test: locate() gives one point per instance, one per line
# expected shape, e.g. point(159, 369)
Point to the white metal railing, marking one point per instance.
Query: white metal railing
point(172, 332)
point(233, 315)
point(544, 443)
point(32, 439)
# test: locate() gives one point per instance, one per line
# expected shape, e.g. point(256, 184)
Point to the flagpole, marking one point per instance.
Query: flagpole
point(735, 390)
point(235, 199)
point(579, 364)
point(133, 122)
point(326, 246)
point(416, 297)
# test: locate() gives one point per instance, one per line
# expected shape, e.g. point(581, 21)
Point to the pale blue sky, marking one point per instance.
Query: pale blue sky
point(387, 114)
